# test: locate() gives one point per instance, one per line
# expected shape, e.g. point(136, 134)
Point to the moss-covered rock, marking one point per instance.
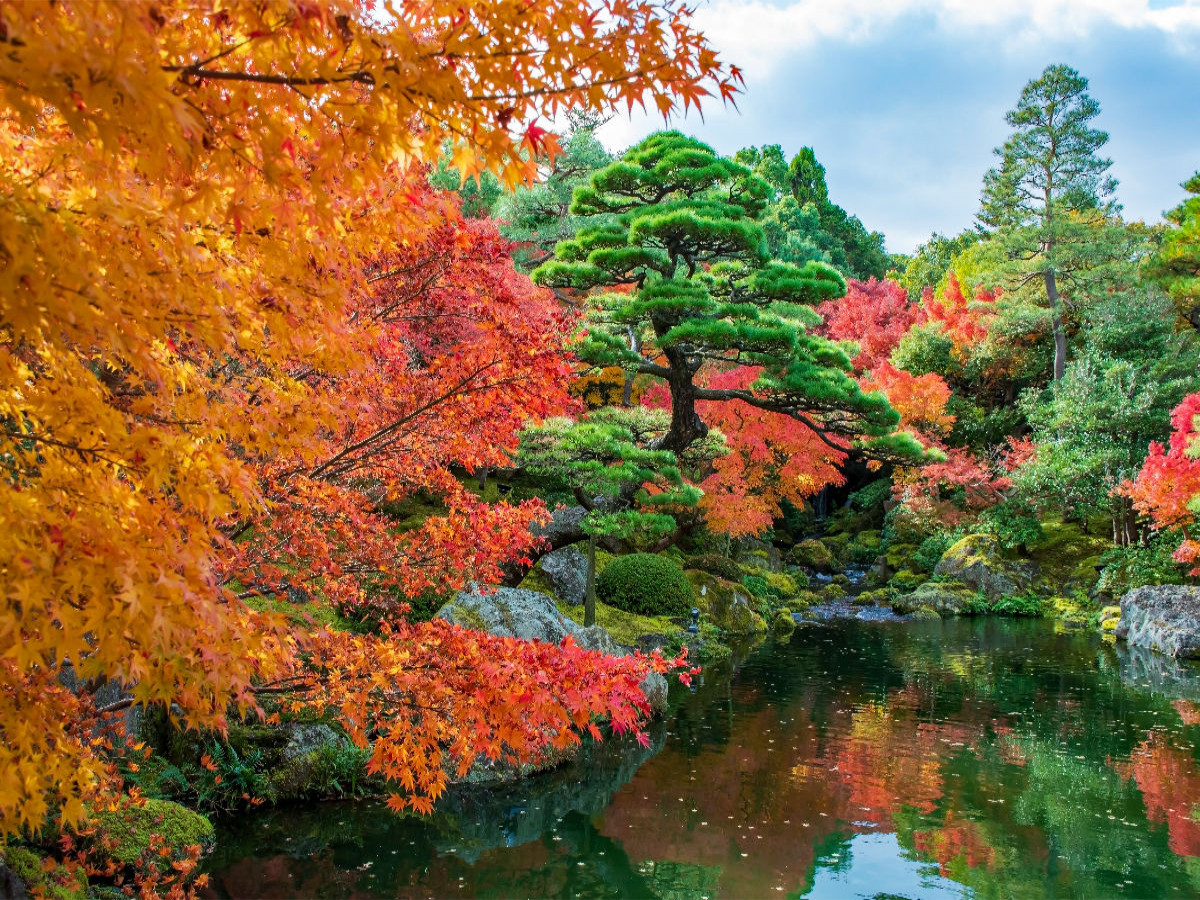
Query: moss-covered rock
point(864, 547)
point(1066, 557)
point(811, 554)
point(880, 597)
point(946, 598)
point(836, 544)
point(54, 882)
point(842, 579)
point(832, 593)
point(725, 604)
point(715, 564)
point(1110, 618)
point(783, 623)
point(976, 561)
point(924, 612)
point(130, 833)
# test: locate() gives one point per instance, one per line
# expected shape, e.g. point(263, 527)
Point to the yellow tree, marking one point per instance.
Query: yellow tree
point(189, 193)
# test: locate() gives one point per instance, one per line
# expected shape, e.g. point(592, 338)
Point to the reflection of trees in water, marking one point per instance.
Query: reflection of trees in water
point(1021, 761)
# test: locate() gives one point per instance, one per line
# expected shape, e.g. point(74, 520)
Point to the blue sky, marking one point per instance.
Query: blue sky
point(904, 100)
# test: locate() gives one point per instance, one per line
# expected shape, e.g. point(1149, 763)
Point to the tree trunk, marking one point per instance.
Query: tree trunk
point(1056, 323)
point(589, 593)
point(686, 425)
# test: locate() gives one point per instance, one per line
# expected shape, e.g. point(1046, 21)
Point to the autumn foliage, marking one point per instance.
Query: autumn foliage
point(1168, 486)
point(965, 321)
point(234, 323)
point(875, 315)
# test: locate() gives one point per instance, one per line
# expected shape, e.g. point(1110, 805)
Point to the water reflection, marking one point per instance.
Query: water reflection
point(960, 758)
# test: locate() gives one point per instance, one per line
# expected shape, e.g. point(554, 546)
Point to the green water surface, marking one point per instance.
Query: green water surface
point(964, 758)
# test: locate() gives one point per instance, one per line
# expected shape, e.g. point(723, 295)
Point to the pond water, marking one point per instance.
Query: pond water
point(961, 758)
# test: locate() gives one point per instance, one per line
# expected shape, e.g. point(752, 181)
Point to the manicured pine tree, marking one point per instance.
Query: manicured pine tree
point(602, 458)
point(678, 237)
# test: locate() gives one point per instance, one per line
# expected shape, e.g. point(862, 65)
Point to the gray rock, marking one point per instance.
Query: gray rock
point(512, 612)
point(565, 526)
point(1165, 618)
point(566, 571)
point(976, 561)
point(11, 887)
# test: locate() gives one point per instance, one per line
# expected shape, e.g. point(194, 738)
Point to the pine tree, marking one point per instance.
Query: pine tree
point(679, 239)
point(1176, 265)
point(1051, 186)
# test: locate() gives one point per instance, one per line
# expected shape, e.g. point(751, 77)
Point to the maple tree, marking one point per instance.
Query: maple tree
point(1167, 489)
point(198, 352)
point(875, 315)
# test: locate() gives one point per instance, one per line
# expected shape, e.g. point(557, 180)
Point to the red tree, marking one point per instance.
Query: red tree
point(875, 315)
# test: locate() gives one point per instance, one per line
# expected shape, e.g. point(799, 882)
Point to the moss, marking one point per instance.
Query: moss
point(924, 612)
point(128, 833)
point(879, 597)
point(470, 617)
point(624, 627)
point(1066, 557)
point(798, 604)
point(715, 564)
point(316, 612)
point(842, 579)
point(57, 883)
point(907, 580)
point(899, 555)
point(812, 555)
point(1110, 618)
point(744, 620)
point(536, 581)
point(832, 593)
point(783, 623)
point(783, 586)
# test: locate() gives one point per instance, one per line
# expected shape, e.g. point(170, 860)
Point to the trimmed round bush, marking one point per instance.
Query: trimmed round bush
point(645, 584)
point(715, 564)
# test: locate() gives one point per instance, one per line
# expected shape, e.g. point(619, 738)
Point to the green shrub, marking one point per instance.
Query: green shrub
point(800, 578)
point(782, 584)
point(931, 550)
point(1126, 568)
point(873, 495)
point(715, 564)
point(907, 580)
point(1028, 604)
point(645, 584)
point(1014, 524)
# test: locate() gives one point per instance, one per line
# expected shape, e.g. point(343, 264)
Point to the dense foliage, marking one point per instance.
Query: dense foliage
point(645, 584)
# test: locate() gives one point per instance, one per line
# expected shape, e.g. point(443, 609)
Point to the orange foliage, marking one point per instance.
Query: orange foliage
point(772, 458)
point(204, 384)
point(920, 400)
point(964, 321)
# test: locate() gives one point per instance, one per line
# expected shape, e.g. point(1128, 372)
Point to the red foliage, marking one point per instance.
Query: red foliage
point(1169, 482)
point(773, 458)
point(1169, 780)
point(874, 314)
point(951, 491)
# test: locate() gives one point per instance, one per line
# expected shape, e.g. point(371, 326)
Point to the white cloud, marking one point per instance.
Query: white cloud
point(757, 35)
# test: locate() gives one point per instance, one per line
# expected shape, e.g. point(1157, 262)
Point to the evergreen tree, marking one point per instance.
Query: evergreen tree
point(678, 238)
point(536, 217)
point(1051, 187)
point(1176, 265)
point(608, 464)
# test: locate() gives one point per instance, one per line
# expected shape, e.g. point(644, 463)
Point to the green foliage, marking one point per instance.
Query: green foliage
point(931, 550)
point(906, 580)
point(783, 623)
point(1126, 568)
point(832, 593)
point(1015, 524)
point(929, 265)
point(715, 564)
point(128, 833)
point(926, 349)
point(1027, 605)
point(872, 495)
point(645, 584)
point(1175, 266)
point(678, 222)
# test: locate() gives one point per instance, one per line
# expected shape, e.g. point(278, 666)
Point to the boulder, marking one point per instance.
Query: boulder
point(565, 526)
point(565, 571)
point(727, 605)
point(1165, 618)
point(532, 616)
point(976, 561)
point(946, 598)
point(759, 555)
point(811, 554)
point(301, 756)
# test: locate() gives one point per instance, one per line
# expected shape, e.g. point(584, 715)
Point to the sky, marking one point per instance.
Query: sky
point(904, 100)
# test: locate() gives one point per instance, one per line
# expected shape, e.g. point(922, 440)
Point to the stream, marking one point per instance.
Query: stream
point(960, 758)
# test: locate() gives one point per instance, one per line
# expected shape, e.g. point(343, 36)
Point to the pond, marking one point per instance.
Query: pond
point(958, 758)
